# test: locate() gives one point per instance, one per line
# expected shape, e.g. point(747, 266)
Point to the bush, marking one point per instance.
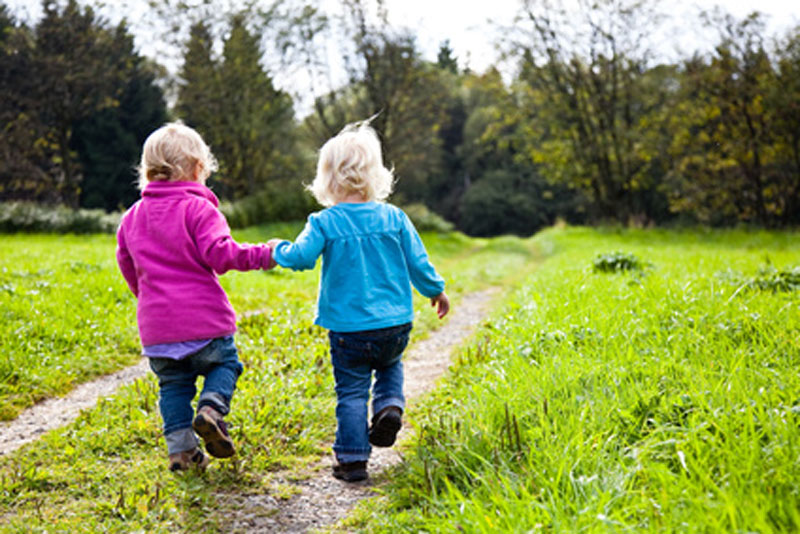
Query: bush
point(502, 203)
point(425, 220)
point(276, 203)
point(32, 217)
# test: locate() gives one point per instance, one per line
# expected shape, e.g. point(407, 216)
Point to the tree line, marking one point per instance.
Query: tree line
point(593, 125)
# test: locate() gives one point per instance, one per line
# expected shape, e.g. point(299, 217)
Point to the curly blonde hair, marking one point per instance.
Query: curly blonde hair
point(352, 162)
point(175, 153)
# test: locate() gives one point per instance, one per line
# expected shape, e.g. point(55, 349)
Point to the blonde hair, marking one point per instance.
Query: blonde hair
point(175, 153)
point(351, 162)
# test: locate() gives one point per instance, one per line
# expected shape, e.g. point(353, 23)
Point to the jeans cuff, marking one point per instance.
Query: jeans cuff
point(347, 457)
point(390, 401)
point(215, 400)
point(181, 440)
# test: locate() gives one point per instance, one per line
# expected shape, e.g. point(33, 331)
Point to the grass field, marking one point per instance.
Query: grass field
point(665, 399)
point(106, 472)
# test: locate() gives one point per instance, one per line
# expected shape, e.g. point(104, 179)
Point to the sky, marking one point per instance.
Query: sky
point(472, 37)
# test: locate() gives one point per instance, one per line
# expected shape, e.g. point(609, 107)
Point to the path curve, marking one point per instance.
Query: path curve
point(59, 411)
point(321, 500)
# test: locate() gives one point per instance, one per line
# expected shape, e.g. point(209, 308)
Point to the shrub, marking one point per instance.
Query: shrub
point(501, 202)
point(276, 203)
point(425, 220)
point(32, 217)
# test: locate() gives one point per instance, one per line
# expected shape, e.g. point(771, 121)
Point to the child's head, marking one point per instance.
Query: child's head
point(175, 153)
point(351, 164)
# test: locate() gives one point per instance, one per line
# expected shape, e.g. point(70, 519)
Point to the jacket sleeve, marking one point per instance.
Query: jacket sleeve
point(125, 262)
point(217, 248)
point(303, 253)
point(423, 275)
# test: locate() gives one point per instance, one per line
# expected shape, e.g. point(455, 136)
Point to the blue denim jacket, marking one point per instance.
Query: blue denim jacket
point(371, 255)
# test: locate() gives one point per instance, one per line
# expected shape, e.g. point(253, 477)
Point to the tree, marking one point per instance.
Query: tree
point(25, 159)
point(737, 130)
point(234, 104)
point(78, 71)
point(109, 141)
point(584, 70)
point(445, 59)
point(256, 118)
point(389, 82)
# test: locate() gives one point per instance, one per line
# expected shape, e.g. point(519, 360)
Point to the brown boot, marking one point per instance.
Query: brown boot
point(192, 459)
point(210, 426)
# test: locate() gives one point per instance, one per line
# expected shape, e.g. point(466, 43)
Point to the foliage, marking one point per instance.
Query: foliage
point(389, 82)
point(584, 78)
point(425, 220)
point(235, 106)
point(614, 262)
point(737, 160)
point(73, 91)
point(767, 278)
point(590, 404)
point(30, 217)
point(275, 202)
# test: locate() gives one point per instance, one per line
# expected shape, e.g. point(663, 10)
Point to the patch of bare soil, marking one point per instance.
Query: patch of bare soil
point(319, 500)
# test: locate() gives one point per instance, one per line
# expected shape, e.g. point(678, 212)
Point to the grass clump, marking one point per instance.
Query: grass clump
point(771, 279)
point(615, 262)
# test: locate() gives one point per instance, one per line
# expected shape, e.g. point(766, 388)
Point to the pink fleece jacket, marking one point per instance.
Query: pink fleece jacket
point(171, 245)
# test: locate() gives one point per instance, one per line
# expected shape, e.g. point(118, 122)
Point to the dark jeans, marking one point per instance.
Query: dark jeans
point(219, 363)
point(355, 355)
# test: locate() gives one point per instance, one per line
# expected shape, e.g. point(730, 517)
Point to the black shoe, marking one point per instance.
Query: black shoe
point(350, 471)
point(385, 426)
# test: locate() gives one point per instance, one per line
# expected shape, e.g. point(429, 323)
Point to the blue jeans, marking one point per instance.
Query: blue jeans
point(355, 355)
point(219, 363)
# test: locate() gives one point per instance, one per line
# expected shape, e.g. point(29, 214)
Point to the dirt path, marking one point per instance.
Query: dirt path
point(60, 411)
point(321, 500)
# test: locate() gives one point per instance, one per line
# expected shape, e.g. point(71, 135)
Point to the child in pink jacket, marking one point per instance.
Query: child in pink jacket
point(172, 244)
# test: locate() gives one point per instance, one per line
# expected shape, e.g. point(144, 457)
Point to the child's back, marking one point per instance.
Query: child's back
point(171, 245)
point(371, 257)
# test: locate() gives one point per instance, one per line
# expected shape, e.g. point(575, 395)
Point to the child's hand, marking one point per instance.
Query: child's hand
point(272, 243)
point(442, 304)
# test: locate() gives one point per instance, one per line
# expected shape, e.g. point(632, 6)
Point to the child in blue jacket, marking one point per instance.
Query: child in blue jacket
point(371, 256)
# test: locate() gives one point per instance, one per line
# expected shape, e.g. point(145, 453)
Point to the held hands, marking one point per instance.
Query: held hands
point(272, 243)
point(442, 304)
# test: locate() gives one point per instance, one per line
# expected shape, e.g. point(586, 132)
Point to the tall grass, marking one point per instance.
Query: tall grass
point(666, 400)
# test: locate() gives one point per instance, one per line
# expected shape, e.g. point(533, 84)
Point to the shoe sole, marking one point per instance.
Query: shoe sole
point(384, 432)
point(218, 444)
point(351, 476)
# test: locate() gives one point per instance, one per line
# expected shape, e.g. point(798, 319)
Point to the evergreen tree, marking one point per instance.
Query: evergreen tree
point(77, 72)
point(109, 142)
point(256, 118)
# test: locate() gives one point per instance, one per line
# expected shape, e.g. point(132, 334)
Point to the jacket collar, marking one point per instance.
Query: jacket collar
point(176, 189)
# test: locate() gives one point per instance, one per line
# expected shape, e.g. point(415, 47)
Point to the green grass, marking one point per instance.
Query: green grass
point(106, 472)
point(660, 400)
point(66, 316)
